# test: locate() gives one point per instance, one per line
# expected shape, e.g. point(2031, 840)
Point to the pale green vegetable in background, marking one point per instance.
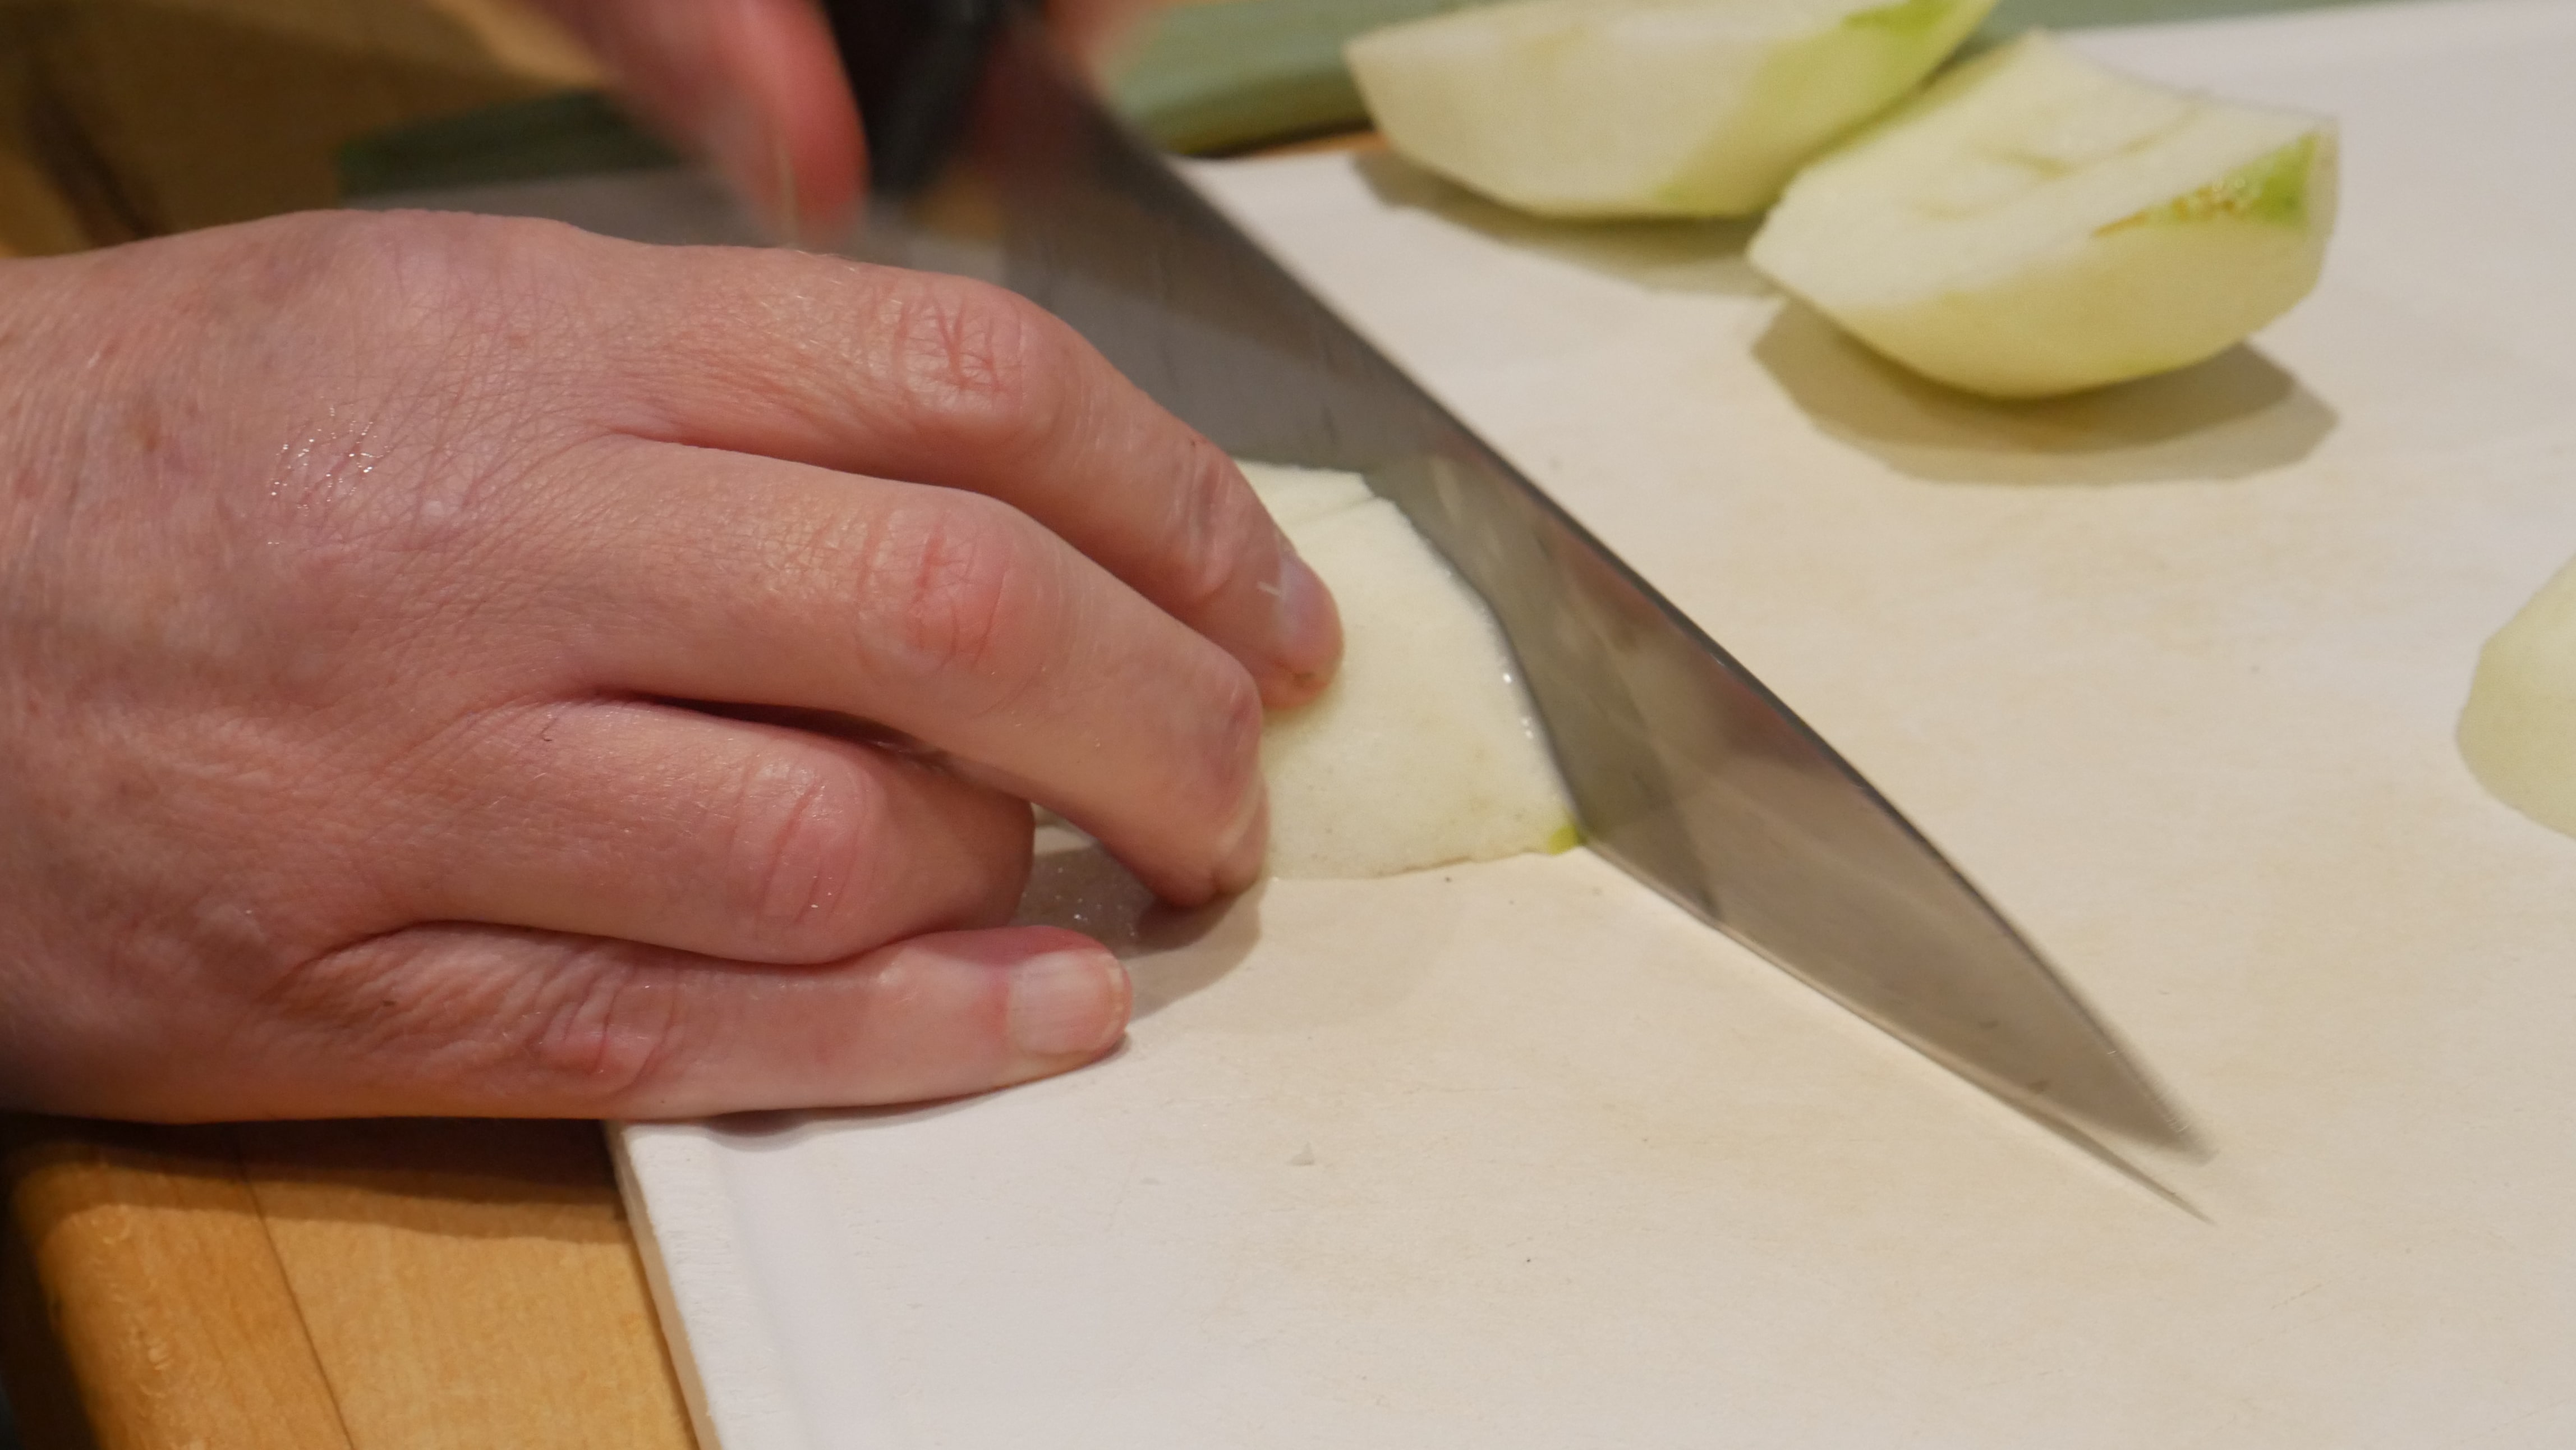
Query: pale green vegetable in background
point(1644, 107)
point(1217, 77)
point(2036, 224)
point(1424, 751)
point(2518, 732)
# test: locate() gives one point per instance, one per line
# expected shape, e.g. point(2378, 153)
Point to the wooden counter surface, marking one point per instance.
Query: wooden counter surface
point(325, 1286)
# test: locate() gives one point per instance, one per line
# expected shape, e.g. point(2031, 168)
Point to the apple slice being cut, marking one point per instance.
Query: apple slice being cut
point(2035, 224)
point(1644, 107)
point(1424, 750)
point(2518, 732)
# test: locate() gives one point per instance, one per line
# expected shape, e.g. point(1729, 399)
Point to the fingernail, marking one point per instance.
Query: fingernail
point(1310, 628)
point(1067, 1003)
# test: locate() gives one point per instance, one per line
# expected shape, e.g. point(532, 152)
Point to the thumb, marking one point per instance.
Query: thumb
point(458, 1019)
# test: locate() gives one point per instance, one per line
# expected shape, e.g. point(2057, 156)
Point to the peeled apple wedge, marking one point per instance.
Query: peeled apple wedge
point(1424, 750)
point(1604, 108)
point(2518, 732)
point(2035, 224)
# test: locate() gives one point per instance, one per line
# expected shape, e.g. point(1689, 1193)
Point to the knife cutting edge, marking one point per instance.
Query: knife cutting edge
point(992, 159)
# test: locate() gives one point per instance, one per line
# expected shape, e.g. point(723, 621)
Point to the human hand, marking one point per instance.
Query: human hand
point(756, 87)
point(355, 573)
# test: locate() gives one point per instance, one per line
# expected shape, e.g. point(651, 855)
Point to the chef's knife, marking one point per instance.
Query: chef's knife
point(993, 159)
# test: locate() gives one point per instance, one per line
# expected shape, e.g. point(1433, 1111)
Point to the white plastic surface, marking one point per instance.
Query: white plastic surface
point(1517, 1156)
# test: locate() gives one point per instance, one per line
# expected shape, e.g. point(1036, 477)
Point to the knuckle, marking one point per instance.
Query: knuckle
point(959, 593)
point(800, 847)
point(412, 444)
point(1219, 537)
point(419, 275)
point(462, 313)
point(606, 1036)
point(973, 361)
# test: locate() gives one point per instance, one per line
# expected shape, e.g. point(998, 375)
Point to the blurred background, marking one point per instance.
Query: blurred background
point(129, 118)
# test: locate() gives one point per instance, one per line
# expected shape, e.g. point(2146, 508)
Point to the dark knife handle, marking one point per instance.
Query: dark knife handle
point(914, 65)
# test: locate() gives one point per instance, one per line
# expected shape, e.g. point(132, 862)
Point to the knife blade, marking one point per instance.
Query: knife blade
point(1684, 770)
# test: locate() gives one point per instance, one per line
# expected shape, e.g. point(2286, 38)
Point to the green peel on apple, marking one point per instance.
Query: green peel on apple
point(2036, 224)
point(1424, 750)
point(1629, 108)
point(2518, 732)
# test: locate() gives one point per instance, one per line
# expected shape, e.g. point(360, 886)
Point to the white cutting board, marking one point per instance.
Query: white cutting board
point(1519, 1156)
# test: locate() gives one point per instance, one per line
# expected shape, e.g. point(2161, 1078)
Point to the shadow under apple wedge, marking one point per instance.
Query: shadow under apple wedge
point(2234, 416)
point(1663, 256)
